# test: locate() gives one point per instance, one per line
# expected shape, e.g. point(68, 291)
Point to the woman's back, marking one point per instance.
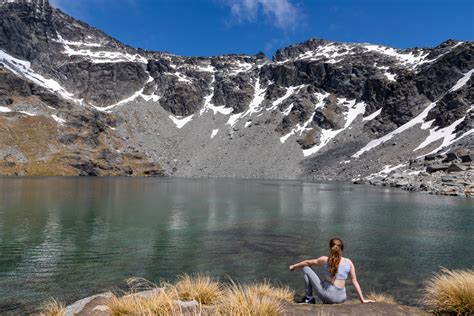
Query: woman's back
point(343, 271)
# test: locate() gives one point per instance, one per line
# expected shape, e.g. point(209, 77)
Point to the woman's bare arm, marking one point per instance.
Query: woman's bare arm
point(356, 285)
point(306, 263)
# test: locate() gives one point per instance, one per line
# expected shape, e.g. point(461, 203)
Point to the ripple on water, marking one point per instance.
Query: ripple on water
point(69, 238)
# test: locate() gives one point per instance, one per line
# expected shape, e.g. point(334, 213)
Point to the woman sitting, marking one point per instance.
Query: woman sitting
point(336, 269)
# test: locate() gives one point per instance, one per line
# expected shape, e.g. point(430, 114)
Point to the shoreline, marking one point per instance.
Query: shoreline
point(449, 174)
point(100, 305)
point(446, 292)
point(412, 180)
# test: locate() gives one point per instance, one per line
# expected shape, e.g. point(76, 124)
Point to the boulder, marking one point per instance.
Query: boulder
point(467, 158)
point(93, 305)
point(145, 294)
point(430, 157)
point(436, 168)
point(451, 156)
point(154, 173)
point(110, 156)
point(401, 183)
point(456, 168)
point(68, 139)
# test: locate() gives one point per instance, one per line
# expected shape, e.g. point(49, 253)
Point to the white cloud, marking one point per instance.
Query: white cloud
point(281, 13)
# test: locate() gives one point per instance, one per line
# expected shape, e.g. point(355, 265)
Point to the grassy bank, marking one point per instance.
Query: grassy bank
point(451, 291)
point(211, 297)
point(447, 292)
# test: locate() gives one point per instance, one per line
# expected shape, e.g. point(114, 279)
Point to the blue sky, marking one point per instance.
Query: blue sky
point(214, 27)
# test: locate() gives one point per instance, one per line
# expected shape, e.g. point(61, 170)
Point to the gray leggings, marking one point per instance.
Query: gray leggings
point(327, 292)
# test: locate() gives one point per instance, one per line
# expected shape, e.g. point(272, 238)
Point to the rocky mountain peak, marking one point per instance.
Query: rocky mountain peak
point(36, 4)
point(317, 109)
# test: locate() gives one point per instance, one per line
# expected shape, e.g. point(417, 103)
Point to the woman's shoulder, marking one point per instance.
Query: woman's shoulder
point(346, 260)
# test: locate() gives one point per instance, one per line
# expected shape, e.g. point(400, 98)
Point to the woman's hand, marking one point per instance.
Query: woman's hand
point(364, 301)
point(291, 268)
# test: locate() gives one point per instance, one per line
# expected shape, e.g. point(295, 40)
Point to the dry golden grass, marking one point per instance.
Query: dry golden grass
point(381, 298)
point(213, 298)
point(265, 288)
point(161, 303)
point(53, 308)
point(199, 287)
point(162, 300)
point(451, 291)
point(241, 301)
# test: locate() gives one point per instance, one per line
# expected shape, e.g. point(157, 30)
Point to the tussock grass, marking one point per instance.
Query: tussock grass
point(451, 291)
point(212, 298)
point(141, 284)
point(381, 298)
point(242, 301)
point(161, 303)
point(199, 287)
point(265, 288)
point(53, 308)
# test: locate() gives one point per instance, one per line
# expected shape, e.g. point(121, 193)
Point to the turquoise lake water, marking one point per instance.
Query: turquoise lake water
point(72, 237)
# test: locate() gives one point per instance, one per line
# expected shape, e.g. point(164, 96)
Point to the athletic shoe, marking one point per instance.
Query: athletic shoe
point(306, 300)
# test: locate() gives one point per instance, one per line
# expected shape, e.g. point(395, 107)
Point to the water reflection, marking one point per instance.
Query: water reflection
point(70, 237)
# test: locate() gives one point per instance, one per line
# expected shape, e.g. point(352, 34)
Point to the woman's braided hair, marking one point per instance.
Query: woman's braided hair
point(335, 255)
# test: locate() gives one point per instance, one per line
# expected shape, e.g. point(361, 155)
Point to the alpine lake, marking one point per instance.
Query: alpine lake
point(68, 238)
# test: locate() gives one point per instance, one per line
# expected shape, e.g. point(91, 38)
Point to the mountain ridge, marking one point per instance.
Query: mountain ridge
point(305, 113)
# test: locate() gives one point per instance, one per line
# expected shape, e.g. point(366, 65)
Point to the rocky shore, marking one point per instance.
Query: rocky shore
point(451, 174)
point(97, 305)
point(447, 292)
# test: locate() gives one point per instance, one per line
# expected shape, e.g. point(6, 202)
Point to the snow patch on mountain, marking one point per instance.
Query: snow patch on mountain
point(206, 68)
point(147, 97)
point(4, 109)
point(287, 111)
point(447, 134)
point(124, 101)
point(85, 49)
point(385, 171)
point(209, 106)
point(300, 129)
point(353, 111)
point(61, 40)
point(410, 59)
point(58, 119)
point(332, 52)
point(420, 119)
point(233, 119)
point(289, 92)
point(181, 77)
point(180, 121)
point(150, 97)
point(461, 82)
point(238, 67)
point(372, 116)
point(23, 69)
point(254, 106)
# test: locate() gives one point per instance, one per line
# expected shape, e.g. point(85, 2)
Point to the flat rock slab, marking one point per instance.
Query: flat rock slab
point(351, 309)
point(93, 305)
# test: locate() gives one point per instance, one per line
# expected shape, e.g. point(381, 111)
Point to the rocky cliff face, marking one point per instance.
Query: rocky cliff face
point(317, 110)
